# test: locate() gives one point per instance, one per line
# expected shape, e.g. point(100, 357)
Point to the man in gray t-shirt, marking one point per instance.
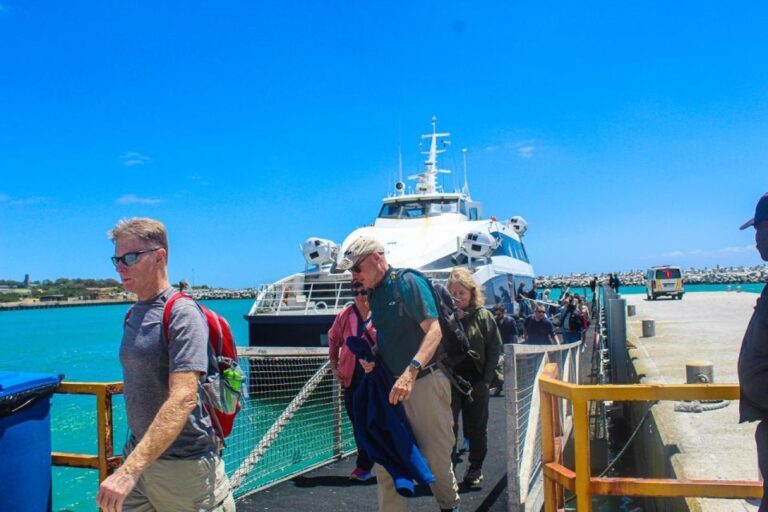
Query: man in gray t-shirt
point(172, 460)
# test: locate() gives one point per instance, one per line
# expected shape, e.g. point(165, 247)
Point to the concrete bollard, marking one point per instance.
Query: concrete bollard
point(649, 328)
point(631, 310)
point(699, 372)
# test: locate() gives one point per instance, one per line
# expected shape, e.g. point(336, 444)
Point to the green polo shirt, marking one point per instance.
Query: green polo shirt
point(398, 332)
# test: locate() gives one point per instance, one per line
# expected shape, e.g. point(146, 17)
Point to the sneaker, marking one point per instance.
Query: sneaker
point(473, 476)
point(360, 475)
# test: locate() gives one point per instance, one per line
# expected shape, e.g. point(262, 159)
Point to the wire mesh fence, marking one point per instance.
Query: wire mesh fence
point(523, 364)
point(291, 421)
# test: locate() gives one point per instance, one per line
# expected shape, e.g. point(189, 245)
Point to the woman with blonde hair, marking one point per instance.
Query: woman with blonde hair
point(485, 340)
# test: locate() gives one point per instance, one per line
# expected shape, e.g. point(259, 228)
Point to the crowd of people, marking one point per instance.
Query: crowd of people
point(386, 348)
point(401, 314)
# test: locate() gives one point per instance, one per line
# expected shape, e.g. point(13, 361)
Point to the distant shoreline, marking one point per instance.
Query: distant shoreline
point(20, 306)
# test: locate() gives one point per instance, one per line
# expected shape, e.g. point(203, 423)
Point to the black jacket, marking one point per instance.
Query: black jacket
point(753, 364)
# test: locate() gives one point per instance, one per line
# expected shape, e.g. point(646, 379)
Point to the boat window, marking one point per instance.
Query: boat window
point(417, 209)
point(463, 208)
point(390, 211)
point(413, 210)
point(473, 214)
point(496, 291)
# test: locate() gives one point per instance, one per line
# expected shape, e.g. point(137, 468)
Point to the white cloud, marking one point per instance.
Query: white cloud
point(673, 254)
point(133, 199)
point(525, 150)
point(132, 158)
point(27, 201)
point(198, 179)
point(740, 249)
point(4, 198)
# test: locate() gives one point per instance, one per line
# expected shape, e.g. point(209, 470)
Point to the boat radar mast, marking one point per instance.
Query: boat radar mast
point(427, 180)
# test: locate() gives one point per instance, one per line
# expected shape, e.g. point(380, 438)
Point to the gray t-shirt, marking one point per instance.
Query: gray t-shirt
point(147, 361)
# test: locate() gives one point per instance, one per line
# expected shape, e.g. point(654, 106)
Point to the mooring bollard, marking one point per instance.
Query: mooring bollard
point(631, 310)
point(699, 372)
point(649, 328)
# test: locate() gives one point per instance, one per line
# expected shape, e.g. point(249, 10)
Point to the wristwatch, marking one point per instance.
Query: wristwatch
point(415, 364)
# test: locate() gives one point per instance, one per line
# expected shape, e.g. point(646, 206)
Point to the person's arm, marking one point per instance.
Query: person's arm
point(404, 384)
point(492, 350)
point(553, 335)
point(335, 340)
point(162, 432)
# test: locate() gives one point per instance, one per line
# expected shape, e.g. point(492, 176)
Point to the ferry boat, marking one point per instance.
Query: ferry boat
point(421, 227)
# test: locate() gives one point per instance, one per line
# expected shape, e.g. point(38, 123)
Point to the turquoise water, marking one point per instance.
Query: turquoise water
point(82, 343)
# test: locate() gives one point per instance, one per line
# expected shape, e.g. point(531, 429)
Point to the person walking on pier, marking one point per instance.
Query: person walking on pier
point(539, 330)
point(408, 336)
point(753, 357)
point(344, 363)
point(172, 458)
point(485, 340)
point(506, 324)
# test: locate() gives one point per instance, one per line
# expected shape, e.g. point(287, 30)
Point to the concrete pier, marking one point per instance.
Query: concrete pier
point(688, 445)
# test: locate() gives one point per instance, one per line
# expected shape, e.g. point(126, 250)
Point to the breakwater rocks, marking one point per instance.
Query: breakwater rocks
point(717, 275)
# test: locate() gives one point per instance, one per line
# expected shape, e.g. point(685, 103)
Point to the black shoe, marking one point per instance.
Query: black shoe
point(473, 476)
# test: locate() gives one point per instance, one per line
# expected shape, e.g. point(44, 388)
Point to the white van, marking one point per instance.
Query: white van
point(664, 281)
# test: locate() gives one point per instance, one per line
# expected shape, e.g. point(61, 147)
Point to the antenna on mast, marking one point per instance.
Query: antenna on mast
point(465, 188)
point(400, 162)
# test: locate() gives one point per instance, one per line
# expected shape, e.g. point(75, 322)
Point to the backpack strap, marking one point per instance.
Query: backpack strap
point(167, 312)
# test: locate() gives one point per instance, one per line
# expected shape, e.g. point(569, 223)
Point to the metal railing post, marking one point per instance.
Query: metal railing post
point(617, 322)
point(513, 432)
point(338, 398)
point(581, 448)
point(548, 453)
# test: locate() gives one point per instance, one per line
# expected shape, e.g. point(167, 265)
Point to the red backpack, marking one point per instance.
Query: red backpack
point(221, 391)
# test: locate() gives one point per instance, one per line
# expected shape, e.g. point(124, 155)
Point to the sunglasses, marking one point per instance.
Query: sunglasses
point(356, 266)
point(362, 293)
point(540, 311)
point(130, 258)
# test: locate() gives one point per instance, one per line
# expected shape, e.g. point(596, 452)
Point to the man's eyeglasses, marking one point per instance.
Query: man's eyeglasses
point(356, 266)
point(130, 258)
point(362, 293)
point(541, 311)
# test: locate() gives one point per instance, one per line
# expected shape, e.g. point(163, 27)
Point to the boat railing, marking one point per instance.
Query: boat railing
point(105, 461)
point(303, 298)
point(291, 420)
point(557, 477)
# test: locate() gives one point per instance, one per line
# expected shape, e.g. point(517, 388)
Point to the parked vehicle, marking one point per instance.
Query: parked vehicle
point(664, 281)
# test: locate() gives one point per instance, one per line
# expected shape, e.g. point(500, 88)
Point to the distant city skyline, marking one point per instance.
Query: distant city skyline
point(627, 135)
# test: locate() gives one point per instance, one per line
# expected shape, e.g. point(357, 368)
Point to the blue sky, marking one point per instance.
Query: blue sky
point(627, 133)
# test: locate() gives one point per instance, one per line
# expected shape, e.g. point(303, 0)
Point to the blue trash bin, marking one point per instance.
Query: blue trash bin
point(25, 440)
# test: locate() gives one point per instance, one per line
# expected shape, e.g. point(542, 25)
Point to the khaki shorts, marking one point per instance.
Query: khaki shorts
point(182, 485)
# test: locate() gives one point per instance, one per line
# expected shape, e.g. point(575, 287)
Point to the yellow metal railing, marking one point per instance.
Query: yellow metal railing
point(580, 481)
point(105, 460)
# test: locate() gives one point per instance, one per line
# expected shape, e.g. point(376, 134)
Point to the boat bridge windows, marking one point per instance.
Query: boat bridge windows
point(422, 208)
point(510, 247)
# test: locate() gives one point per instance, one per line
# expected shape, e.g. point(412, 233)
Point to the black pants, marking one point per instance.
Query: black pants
point(475, 420)
point(363, 460)
point(761, 437)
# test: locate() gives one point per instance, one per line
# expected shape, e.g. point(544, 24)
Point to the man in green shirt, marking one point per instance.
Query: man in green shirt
point(408, 336)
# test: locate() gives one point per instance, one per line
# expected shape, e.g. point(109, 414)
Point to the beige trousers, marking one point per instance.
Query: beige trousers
point(429, 413)
point(182, 485)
